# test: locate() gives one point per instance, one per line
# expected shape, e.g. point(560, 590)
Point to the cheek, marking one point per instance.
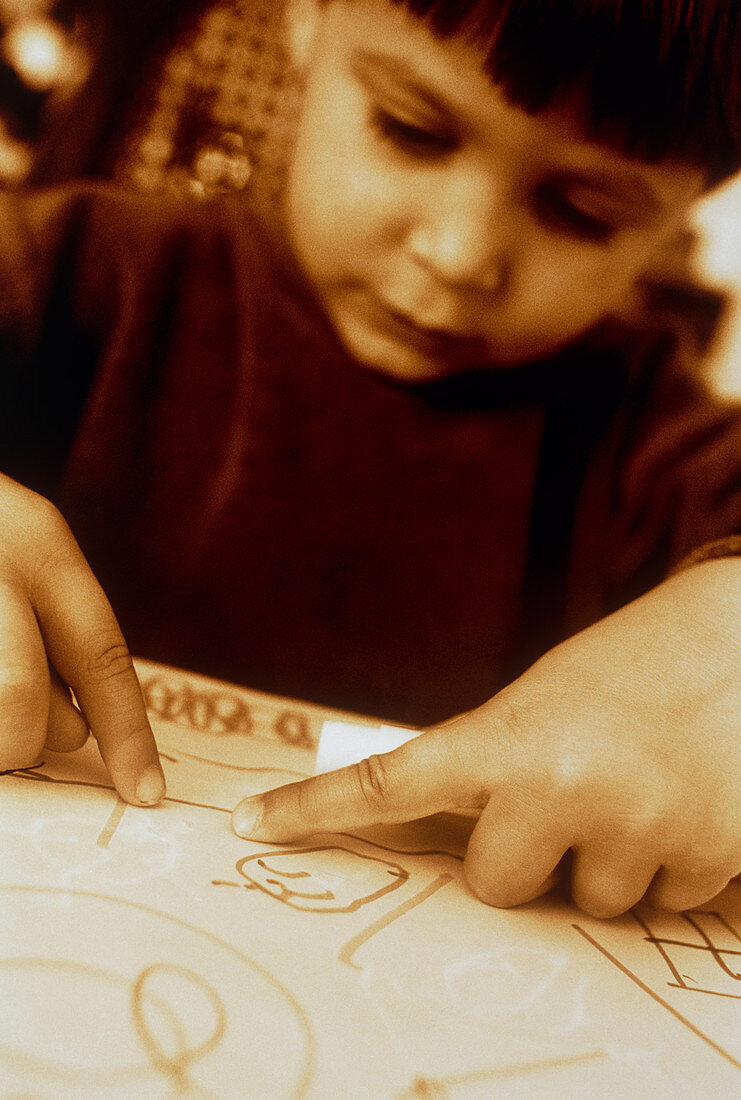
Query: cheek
point(571, 289)
point(340, 198)
point(332, 228)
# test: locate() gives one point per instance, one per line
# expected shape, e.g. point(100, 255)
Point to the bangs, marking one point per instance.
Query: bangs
point(659, 79)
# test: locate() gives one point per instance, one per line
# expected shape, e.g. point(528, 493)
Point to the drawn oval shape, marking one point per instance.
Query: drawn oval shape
point(103, 997)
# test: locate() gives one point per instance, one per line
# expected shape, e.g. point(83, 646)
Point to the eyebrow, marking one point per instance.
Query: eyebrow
point(368, 65)
point(622, 185)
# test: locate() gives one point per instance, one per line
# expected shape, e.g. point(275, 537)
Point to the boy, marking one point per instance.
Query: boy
point(393, 449)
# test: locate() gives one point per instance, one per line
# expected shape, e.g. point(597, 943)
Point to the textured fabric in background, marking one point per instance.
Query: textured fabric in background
point(215, 113)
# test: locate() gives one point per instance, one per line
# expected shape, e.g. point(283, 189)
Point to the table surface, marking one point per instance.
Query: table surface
point(152, 953)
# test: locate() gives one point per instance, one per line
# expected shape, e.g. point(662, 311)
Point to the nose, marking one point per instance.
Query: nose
point(465, 235)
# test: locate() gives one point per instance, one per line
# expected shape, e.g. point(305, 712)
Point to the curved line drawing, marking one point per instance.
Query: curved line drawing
point(39, 1063)
point(288, 896)
point(285, 874)
point(174, 1065)
point(362, 937)
point(403, 851)
point(197, 708)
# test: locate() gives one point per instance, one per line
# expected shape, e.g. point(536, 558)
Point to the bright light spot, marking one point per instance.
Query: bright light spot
point(38, 51)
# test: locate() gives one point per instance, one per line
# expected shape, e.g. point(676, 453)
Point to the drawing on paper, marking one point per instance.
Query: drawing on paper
point(704, 957)
point(168, 1009)
point(285, 774)
point(224, 712)
point(250, 781)
point(324, 879)
point(155, 1007)
point(347, 951)
point(445, 1088)
point(177, 1015)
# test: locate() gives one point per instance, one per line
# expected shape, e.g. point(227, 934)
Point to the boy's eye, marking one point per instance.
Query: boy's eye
point(411, 138)
point(559, 212)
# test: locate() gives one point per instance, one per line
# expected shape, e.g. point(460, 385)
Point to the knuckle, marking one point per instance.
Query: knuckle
point(46, 516)
point(568, 775)
point(635, 829)
point(689, 887)
point(608, 886)
point(107, 658)
point(674, 902)
point(373, 782)
point(47, 540)
point(514, 720)
point(47, 525)
point(33, 530)
point(509, 738)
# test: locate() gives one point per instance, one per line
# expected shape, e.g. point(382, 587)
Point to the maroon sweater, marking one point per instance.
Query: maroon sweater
point(260, 507)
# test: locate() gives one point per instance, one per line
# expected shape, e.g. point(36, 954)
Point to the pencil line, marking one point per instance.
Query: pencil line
point(357, 941)
point(660, 1000)
point(403, 851)
point(696, 946)
point(109, 787)
point(711, 992)
point(113, 822)
point(524, 1067)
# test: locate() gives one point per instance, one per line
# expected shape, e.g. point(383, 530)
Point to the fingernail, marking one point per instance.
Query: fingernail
point(247, 817)
point(151, 786)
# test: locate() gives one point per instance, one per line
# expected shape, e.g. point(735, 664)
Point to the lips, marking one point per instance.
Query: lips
point(440, 342)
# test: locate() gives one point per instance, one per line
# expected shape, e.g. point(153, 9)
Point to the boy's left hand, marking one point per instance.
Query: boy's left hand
point(622, 743)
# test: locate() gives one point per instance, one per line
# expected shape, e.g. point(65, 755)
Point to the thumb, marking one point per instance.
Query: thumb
point(422, 777)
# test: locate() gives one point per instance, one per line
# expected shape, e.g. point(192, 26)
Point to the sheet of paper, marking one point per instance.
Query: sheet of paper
point(343, 743)
point(154, 954)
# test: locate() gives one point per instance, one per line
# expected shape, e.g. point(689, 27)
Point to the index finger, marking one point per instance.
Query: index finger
point(86, 646)
point(413, 781)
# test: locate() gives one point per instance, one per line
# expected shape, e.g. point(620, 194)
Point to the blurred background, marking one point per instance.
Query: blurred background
point(718, 222)
point(195, 97)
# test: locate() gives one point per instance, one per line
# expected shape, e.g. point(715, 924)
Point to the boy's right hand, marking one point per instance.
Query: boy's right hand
point(57, 631)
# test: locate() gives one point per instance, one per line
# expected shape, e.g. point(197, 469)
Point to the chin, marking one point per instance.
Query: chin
point(393, 361)
point(408, 370)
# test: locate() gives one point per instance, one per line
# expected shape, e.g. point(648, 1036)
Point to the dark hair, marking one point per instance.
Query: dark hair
point(662, 77)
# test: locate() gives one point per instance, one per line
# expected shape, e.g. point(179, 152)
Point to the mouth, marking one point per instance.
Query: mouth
point(441, 343)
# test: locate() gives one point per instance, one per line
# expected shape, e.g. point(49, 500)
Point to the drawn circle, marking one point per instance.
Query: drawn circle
point(173, 1042)
point(517, 980)
point(101, 995)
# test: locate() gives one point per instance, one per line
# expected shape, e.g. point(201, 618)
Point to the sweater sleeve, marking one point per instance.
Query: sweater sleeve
point(729, 547)
point(677, 496)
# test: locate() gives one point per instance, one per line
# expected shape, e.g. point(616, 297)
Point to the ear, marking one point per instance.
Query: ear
point(302, 22)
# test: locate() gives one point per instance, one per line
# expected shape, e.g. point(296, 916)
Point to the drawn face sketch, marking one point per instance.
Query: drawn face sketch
point(323, 879)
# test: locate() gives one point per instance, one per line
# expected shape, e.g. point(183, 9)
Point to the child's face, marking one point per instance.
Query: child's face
point(440, 225)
